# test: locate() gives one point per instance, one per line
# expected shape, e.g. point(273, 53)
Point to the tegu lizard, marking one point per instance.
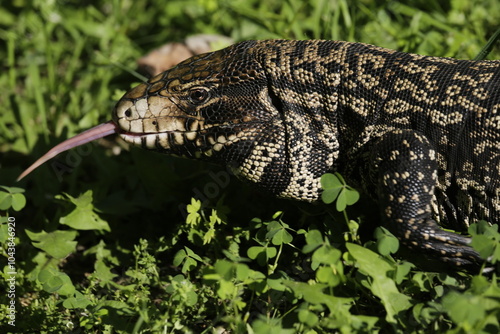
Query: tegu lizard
point(420, 134)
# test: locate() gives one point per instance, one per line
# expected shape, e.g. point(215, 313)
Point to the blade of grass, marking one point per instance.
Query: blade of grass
point(11, 38)
point(49, 53)
point(489, 46)
point(35, 85)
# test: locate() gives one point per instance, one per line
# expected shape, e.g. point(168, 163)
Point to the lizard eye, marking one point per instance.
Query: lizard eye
point(198, 95)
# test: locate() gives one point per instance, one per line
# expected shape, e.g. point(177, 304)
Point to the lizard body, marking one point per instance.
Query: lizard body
point(419, 134)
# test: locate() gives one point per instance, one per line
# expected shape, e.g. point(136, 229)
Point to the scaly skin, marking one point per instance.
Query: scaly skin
point(419, 134)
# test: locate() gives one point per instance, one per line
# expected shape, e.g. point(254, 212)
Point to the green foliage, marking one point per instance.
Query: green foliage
point(83, 217)
point(12, 197)
point(106, 241)
point(55, 281)
point(486, 240)
point(381, 285)
point(386, 242)
point(57, 244)
point(336, 189)
point(295, 280)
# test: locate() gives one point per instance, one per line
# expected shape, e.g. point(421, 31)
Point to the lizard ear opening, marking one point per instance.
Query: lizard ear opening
point(274, 99)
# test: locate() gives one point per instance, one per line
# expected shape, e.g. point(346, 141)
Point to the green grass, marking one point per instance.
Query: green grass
point(111, 241)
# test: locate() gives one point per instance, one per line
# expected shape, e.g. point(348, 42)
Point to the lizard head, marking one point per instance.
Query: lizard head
point(214, 107)
point(206, 107)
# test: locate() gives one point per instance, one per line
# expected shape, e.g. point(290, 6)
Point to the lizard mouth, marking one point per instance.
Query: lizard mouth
point(100, 131)
point(165, 139)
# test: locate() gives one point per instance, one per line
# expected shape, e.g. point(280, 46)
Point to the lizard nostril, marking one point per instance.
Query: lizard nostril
point(128, 113)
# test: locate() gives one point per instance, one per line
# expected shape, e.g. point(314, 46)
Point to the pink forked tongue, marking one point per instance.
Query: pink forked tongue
point(102, 130)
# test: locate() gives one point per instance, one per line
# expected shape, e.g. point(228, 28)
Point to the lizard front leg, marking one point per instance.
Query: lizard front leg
point(404, 170)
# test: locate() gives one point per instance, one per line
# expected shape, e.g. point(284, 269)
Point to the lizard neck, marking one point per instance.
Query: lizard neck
point(303, 91)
